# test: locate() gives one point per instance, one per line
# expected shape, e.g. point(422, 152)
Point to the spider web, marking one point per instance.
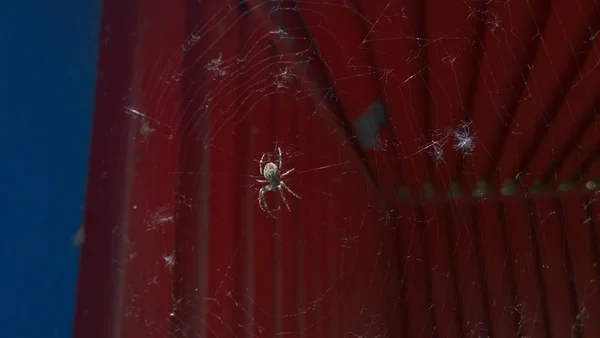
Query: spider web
point(433, 152)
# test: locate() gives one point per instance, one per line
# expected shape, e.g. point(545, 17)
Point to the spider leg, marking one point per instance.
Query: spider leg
point(261, 198)
point(271, 212)
point(260, 164)
point(287, 172)
point(279, 162)
point(262, 181)
point(284, 199)
point(288, 189)
point(262, 202)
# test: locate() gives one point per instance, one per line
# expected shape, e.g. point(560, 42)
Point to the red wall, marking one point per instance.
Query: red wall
point(444, 153)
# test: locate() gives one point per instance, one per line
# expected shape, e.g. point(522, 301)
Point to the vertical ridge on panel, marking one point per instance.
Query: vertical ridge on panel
point(191, 270)
point(392, 316)
point(294, 233)
point(593, 214)
point(466, 241)
point(556, 266)
point(288, 230)
point(400, 307)
point(148, 233)
point(267, 253)
point(162, 100)
point(584, 255)
point(223, 251)
point(441, 264)
point(99, 284)
point(315, 215)
point(244, 263)
point(261, 274)
point(304, 213)
point(415, 265)
point(529, 303)
point(333, 263)
point(498, 274)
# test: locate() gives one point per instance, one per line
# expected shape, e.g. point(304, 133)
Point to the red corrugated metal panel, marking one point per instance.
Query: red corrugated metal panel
point(509, 42)
point(444, 156)
point(125, 289)
point(560, 54)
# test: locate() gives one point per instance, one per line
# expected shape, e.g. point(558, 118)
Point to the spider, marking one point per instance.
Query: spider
point(271, 172)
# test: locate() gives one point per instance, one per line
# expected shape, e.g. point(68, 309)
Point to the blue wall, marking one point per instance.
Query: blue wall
point(48, 53)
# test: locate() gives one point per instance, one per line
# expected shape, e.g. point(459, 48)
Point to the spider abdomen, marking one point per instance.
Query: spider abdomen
point(271, 172)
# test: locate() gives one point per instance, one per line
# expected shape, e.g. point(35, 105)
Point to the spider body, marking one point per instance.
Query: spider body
point(271, 174)
point(273, 177)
